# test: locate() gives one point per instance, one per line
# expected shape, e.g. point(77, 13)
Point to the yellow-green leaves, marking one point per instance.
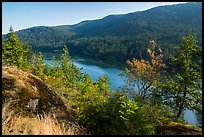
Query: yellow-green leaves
point(128, 109)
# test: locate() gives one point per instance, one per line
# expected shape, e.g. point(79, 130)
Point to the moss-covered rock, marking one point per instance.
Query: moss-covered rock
point(174, 128)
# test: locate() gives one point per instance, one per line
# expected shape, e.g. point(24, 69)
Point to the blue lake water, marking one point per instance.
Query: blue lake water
point(97, 68)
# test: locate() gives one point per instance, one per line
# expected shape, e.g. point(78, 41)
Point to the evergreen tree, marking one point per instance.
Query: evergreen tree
point(38, 68)
point(186, 86)
point(71, 74)
point(14, 54)
point(56, 70)
point(3, 51)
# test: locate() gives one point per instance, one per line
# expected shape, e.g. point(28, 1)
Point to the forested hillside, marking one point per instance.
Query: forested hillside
point(60, 99)
point(121, 36)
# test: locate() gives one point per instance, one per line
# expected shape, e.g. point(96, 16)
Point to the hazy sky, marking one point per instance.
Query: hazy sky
point(22, 15)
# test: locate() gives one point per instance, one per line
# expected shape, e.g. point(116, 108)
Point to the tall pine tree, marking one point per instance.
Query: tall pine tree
point(186, 85)
point(13, 52)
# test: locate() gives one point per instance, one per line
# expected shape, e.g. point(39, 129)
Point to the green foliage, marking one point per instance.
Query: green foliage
point(71, 74)
point(3, 51)
point(90, 101)
point(65, 69)
point(103, 84)
point(44, 37)
point(106, 112)
point(55, 70)
point(13, 51)
point(38, 66)
point(92, 93)
point(185, 86)
point(180, 89)
point(135, 119)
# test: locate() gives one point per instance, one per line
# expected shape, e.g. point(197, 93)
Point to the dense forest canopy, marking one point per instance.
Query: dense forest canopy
point(122, 36)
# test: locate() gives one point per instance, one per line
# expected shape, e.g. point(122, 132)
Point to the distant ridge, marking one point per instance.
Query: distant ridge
point(166, 24)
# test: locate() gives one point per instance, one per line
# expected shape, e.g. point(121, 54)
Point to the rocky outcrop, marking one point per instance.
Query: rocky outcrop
point(174, 128)
point(30, 95)
point(30, 107)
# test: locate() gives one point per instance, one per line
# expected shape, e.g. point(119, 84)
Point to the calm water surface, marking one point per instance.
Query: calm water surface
point(97, 68)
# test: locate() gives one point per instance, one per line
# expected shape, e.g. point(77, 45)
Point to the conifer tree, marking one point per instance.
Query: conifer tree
point(186, 85)
point(38, 66)
point(71, 74)
point(14, 54)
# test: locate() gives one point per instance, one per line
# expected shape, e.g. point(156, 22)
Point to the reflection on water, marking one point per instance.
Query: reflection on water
point(96, 71)
point(192, 117)
point(96, 68)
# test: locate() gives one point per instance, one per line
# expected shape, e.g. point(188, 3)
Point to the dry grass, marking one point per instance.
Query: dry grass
point(15, 124)
point(18, 88)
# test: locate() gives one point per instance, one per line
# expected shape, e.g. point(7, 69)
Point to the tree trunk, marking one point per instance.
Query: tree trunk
point(181, 107)
point(180, 110)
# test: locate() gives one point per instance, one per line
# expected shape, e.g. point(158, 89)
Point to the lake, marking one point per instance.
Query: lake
point(97, 68)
